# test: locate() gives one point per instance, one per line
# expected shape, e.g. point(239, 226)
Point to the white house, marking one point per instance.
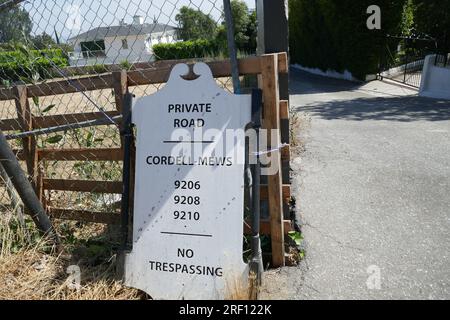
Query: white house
point(116, 44)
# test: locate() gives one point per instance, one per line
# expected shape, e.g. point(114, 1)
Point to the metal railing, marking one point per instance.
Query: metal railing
point(442, 60)
point(403, 58)
point(76, 55)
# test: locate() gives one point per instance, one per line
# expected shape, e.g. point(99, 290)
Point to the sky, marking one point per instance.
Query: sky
point(71, 17)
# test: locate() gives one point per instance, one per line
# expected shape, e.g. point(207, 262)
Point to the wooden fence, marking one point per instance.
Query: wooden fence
point(276, 116)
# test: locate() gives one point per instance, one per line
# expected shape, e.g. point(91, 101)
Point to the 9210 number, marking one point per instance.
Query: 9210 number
point(186, 215)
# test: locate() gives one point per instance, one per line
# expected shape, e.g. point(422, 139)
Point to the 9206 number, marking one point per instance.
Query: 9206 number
point(187, 185)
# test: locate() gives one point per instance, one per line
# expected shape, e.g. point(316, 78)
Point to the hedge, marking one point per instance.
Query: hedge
point(22, 65)
point(187, 49)
point(332, 34)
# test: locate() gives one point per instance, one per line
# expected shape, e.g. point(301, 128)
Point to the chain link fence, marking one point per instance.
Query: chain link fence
point(60, 64)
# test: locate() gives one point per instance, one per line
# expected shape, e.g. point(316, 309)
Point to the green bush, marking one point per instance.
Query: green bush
point(187, 49)
point(332, 34)
point(26, 65)
point(95, 69)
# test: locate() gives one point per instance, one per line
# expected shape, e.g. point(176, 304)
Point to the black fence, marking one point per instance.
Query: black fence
point(402, 58)
point(442, 60)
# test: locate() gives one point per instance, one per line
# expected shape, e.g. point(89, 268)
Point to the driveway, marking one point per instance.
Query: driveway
point(373, 193)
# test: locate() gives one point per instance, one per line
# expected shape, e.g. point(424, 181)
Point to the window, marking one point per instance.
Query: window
point(124, 44)
point(92, 49)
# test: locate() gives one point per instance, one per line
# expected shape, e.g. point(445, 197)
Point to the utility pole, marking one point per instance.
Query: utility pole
point(273, 37)
point(273, 33)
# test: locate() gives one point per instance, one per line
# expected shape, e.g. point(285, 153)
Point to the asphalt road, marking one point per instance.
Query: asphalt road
point(373, 190)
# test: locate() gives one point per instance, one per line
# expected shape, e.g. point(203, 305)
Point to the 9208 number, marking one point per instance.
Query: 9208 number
point(186, 200)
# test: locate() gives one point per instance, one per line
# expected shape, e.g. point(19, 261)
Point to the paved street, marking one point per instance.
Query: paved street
point(373, 191)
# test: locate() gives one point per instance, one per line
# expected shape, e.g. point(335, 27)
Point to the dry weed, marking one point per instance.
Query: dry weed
point(28, 270)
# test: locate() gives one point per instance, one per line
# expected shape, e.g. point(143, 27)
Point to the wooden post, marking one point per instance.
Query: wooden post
point(269, 82)
point(120, 84)
point(120, 87)
point(273, 37)
point(29, 143)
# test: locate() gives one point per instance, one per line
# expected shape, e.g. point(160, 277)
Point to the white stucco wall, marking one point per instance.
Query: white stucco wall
point(139, 49)
point(435, 80)
point(346, 75)
point(163, 37)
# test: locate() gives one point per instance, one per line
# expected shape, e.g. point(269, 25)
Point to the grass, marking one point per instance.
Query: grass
point(30, 270)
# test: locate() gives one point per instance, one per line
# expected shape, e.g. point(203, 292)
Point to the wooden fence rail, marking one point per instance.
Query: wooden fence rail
point(276, 117)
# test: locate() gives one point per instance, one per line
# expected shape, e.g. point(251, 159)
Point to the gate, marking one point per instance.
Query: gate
point(403, 57)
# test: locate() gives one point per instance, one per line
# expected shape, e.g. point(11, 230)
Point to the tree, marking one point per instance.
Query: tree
point(245, 27)
point(15, 24)
point(407, 23)
point(43, 41)
point(252, 33)
point(432, 17)
point(194, 24)
point(241, 21)
point(333, 34)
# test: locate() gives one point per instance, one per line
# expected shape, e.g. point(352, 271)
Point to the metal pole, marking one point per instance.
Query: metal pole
point(25, 190)
point(127, 135)
point(63, 127)
point(256, 264)
point(406, 61)
point(12, 195)
point(232, 46)
point(273, 37)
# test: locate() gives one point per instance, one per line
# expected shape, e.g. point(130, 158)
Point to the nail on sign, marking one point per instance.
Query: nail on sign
point(188, 207)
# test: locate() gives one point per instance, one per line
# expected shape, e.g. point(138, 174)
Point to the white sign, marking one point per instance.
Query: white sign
point(188, 207)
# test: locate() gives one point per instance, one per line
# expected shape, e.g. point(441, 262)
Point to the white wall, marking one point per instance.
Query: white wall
point(139, 49)
point(346, 75)
point(435, 80)
point(164, 37)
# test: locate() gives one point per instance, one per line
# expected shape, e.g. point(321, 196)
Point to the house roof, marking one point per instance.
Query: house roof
point(101, 33)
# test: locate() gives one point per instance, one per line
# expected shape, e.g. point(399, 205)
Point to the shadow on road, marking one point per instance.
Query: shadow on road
point(306, 83)
point(405, 109)
point(353, 101)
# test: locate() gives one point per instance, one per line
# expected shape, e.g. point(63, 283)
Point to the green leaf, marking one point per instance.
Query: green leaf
point(54, 139)
point(36, 101)
point(296, 237)
point(89, 139)
point(24, 50)
point(50, 107)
